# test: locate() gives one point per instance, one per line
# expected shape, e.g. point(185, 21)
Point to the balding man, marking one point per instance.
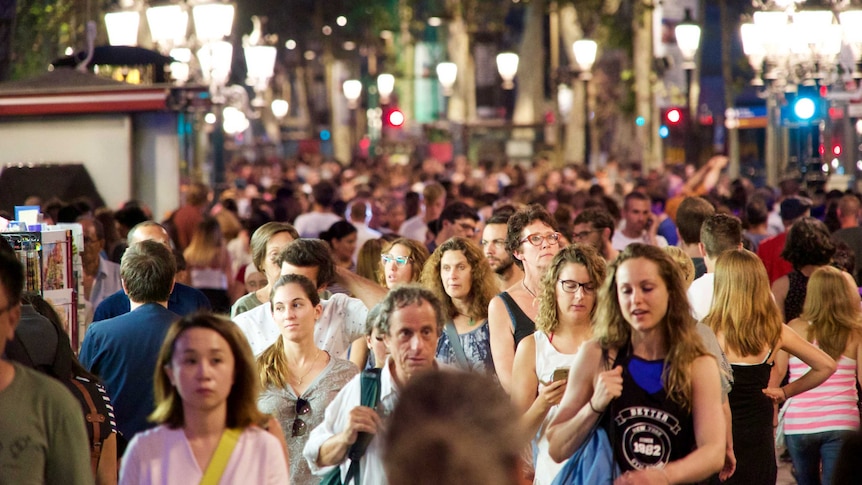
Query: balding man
point(850, 232)
point(183, 300)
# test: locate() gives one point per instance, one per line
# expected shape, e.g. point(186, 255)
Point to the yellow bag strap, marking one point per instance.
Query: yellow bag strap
point(225, 447)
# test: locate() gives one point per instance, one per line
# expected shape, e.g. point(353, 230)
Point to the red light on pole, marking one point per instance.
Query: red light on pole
point(396, 118)
point(673, 116)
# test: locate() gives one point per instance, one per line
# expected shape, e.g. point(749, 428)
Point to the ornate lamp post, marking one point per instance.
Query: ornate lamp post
point(585, 56)
point(352, 89)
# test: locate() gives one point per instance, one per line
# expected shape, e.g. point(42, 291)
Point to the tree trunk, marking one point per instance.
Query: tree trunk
point(530, 101)
point(462, 104)
point(574, 140)
point(642, 43)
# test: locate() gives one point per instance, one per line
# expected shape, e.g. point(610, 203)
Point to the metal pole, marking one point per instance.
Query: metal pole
point(587, 146)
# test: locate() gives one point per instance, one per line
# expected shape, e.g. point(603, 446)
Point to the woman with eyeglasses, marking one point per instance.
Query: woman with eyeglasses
point(533, 241)
point(402, 261)
point(458, 273)
point(299, 380)
point(205, 390)
point(567, 302)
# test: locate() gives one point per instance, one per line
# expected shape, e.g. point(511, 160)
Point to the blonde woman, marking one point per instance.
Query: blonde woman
point(750, 331)
point(209, 265)
point(645, 356)
point(567, 302)
point(831, 319)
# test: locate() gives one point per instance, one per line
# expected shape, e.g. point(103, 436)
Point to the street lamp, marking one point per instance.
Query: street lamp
point(352, 89)
point(687, 35)
point(447, 72)
point(260, 63)
point(585, 56)
point(279, 108)
point(385, 86)
point(507, 65)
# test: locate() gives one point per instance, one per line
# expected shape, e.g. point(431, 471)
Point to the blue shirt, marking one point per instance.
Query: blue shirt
point(183, 301)
point(123, 352)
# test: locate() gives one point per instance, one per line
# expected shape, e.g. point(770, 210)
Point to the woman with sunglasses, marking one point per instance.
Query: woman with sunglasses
point(210, 428)
point(402, 261)
point(533, 241)
point(299, 379)
point(458, 273)
point(566, 305)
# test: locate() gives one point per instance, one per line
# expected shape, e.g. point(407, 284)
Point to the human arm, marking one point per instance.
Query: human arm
point(534, 405)
point(729, 456)
point(707, 458)
point(822, 366)
point(364, 289)
point(106, 473)
point(361, 419)
point(502, 341)
point(780, 288)
point(359, 352)
point(589, 392)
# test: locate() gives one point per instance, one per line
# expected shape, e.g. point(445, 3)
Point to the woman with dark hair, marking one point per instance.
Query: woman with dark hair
point(832, 320)
point(341, 237)
point(809, 246)
point(460, 276)
point(646, 356)
point(209, 264)
point(566, 305)
point(206, 387)
point(298, 379)
point(750, 331)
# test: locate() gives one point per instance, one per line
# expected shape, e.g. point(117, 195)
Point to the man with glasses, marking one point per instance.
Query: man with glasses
point(533, 241)
point(410, 321)
point(101, 277)
point(595, 226)
point(457, 219)
point(494, 247)
point(42, 435)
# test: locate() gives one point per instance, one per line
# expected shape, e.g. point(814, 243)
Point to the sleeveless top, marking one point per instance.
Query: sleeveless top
point(831, 406)
point(647, 429)
point(795, 295)
point(522, 325)
point(547, 360)
point(477, 348)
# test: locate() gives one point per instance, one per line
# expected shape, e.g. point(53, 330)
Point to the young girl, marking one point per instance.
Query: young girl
point(209, 425)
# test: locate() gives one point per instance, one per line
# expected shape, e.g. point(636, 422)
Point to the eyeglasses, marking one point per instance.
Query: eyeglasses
point(572, 286)
point(537, 239)
point(583, 234)
point(299, 426)
point(468, 228)
point(499, 243)
point(399, 260)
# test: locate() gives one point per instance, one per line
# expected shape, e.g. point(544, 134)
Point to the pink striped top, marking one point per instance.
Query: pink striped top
point(831, 406)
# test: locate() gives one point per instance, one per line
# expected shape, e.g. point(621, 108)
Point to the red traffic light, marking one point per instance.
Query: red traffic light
point(396, 118)
point(673, 116)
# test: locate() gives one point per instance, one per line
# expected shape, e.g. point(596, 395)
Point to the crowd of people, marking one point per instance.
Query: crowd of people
point(493, 324)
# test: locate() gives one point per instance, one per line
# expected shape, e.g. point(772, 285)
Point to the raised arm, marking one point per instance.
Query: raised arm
point(534, 404)
point(502, 341)
point(588, 393)
point(364, 289)
point(822, 366)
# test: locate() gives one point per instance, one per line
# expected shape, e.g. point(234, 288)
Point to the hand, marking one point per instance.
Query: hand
point(609, 385)
point(361, 419)
point(550, 394)
point(777, 394)
point(729, 464)
point(647, 476)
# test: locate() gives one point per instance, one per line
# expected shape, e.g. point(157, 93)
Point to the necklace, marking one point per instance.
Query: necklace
point(524, 284)
point(309, 368)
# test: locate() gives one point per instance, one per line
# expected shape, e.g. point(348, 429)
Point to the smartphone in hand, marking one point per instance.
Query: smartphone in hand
point(560, 374)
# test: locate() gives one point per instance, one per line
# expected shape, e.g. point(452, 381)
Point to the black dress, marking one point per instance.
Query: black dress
point(751, 411)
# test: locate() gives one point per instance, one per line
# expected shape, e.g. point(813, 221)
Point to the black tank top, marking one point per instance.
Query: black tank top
point(648, 429)
point(522, 325)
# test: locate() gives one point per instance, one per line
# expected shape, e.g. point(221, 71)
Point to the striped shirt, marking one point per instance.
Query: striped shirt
point(831, 406)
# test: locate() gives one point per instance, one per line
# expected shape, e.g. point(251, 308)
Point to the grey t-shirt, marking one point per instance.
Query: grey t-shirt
point(711, 343)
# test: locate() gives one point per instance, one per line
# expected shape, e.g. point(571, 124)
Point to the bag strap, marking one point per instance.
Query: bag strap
point(95, 418)
point(226, 444)
point(455, 342)
point(369, 382)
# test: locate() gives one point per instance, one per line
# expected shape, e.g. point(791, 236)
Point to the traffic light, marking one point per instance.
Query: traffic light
point(393, 117)
point(805, 107)
point(673, 116)
point(673, 129)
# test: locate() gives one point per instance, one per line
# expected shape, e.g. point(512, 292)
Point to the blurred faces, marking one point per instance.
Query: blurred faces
point(343, 248)
point(412, 339)
point(434, 209)
point(466, 228)
point(254, 281)
point(576, 293)
point(585, 233)
point(397, 266)
point(294, 313)
point(395, 217)
point(273, 247)
point(537, 257)
point(377, 345)
point(494, 247)
point(202, 369)
point(642, 294)
point(456, 274)
point(92, 247)
point(636, 214)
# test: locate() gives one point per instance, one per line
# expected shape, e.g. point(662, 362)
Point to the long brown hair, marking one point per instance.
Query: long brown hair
point(612, 330)
point(241, 402)
point(832, 309)
point(743, 309)
point(483, 286)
